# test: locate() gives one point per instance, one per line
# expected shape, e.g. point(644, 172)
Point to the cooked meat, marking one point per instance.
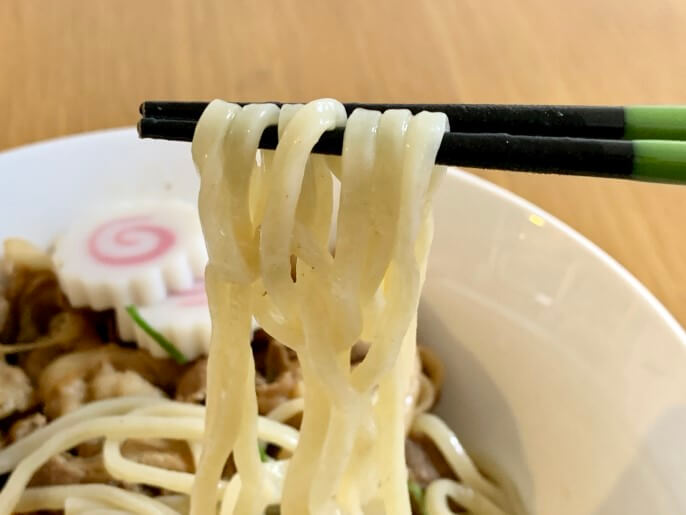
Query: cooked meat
point(191, 386)
point(65, 469)
point(90, 374)
point(89, 447)
point(103, 383)
point(16, 392)
point(277, 376)
point(25, 426)
point(271, 357)
point(19, 253)
point(36, 361)
point(4, 311)
point(270, 395)
point(425, 462)
point(81, 377)
point(166, 454)
point(108, 383)
point(39, 314)
point(65, 397)
point(34, 298)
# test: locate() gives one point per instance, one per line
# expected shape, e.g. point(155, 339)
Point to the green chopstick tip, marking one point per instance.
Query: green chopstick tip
point(660, 161)
point(663, 122)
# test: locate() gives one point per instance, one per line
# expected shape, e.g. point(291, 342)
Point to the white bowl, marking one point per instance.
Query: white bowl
point(564, 373)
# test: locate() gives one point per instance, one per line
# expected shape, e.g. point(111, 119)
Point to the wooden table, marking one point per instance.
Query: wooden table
point(79, 65)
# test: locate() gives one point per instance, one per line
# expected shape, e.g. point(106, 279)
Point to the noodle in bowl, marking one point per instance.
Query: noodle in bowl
point(527, 391)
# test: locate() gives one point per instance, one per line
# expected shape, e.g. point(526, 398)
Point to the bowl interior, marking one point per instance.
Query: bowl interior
point(564, 374)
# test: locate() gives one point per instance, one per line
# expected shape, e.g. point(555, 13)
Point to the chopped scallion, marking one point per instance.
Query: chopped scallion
point(168, 346)
point(416, 496)
point(263, 453)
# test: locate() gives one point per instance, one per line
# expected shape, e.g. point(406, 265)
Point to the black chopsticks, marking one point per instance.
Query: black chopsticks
point(631, 122)
point(637, 142)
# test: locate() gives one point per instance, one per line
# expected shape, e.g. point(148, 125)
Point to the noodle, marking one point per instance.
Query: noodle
point(54, 498)
point(427, 395)
point(159, 418)
point(441, 489)
point(108, 426)
point(287, 410)
point(369, 288)
point(11, 456)
point(457, 458)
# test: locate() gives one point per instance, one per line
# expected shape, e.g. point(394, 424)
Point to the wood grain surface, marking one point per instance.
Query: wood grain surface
point(79, 65)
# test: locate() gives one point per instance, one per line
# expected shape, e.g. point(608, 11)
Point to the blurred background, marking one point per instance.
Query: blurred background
point(79, 65)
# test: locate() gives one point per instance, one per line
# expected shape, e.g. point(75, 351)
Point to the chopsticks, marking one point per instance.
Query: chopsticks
point(631, 122)
point(636, 142)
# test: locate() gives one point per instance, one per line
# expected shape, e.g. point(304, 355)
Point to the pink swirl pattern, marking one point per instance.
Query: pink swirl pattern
point(132, 240)
point(194, 296)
